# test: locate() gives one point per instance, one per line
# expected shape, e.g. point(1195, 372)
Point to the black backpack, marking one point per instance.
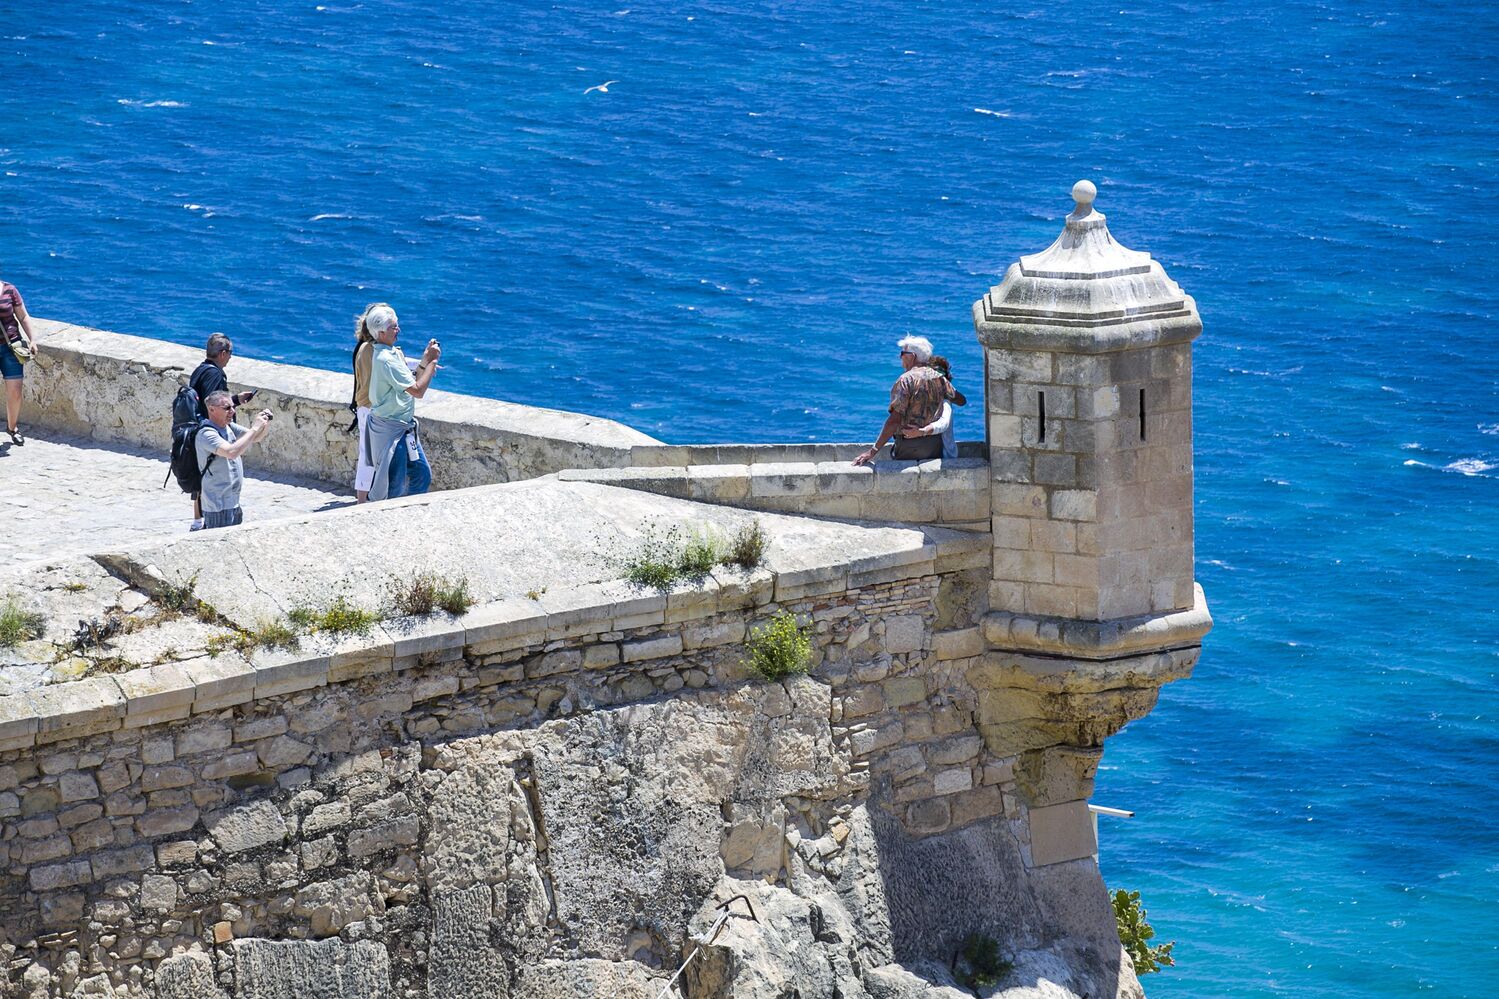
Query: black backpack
point(185, 426)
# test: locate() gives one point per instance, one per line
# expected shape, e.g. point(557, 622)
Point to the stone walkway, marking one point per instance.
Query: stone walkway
point(60, 495)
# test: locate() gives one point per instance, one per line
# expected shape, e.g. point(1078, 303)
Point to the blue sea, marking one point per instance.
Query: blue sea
point(725, 243)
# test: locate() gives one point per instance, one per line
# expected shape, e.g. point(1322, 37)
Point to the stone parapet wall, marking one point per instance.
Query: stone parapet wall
point(282, 798)
point(952, 493)
point(113, 387)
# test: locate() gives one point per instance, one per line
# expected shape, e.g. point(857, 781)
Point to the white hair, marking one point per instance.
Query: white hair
point(379, 319)
point(918, 345)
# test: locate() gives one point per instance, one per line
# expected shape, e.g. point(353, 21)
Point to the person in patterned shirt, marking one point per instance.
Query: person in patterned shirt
point(915, 401)
point(14, 322)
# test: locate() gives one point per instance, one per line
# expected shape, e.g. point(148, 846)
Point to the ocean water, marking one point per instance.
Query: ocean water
point(725, 244)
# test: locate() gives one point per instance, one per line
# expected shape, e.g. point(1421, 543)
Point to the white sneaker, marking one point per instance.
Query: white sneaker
point(197, 525)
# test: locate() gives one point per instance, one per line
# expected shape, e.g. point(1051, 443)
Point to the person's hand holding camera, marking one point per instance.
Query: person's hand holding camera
point(432, 353)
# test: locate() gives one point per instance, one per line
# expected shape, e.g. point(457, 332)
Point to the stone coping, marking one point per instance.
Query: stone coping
point(952, 492)
point(333, 387)
point(679, 455)
point(111, 386)
point(1099, 640)
point(171, 691)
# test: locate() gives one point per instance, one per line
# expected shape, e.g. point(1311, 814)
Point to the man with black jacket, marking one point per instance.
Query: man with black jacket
point(208, 378)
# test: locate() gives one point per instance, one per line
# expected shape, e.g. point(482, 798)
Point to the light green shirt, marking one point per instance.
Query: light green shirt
point(389, 379)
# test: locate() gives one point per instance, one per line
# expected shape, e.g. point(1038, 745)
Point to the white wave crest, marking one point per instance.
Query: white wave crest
point(149, 104)
point(1470, 466)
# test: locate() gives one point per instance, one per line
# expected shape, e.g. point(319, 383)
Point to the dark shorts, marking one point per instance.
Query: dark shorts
point(10, 369)
point(917, 448)
point(223, 518)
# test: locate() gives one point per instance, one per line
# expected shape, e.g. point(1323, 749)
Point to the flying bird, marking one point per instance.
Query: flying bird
point(602, 88)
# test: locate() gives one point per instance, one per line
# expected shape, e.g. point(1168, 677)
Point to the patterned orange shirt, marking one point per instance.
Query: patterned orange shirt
point(916, 397)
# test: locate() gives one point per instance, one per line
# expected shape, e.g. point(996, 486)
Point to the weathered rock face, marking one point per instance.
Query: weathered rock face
point(589, 856)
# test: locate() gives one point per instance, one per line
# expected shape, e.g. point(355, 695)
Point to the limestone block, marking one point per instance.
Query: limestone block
point(843, 478)
point(503, 625)
point(129, 860)
point(410, 636)
point(718, 483)
point(579, 610)
point(963, 643)
point(50, 878)
point(298, 969)
point(795, 584)
point(776, 478)
point(651, 648)
point(329, 906)
point(958, 551)
point(1060, 833)
point(220, 681)
point(952, 781)
point(1017, 500)
point(738, 589)
point(472, 814)
point(246, 827)
point(711, 635)
point(203, 737)
point(151, 691)
point(892, 478)
point(586, 977)
point(464, 963)
point(279, 671)
point(18, 722)
point(72, 710)
point(963, 506)
point(1074, 504)
point(904, 633)
point(690, 601)
point(158, 893)
point(187, 976)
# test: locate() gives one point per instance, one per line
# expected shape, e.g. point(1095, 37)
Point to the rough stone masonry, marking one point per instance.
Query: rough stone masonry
point(554, 794)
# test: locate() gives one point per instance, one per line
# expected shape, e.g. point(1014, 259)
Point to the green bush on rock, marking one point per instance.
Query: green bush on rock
point(1135, 934)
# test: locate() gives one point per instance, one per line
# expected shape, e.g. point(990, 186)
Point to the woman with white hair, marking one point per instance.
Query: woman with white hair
point(392, 443)
point(915, 402)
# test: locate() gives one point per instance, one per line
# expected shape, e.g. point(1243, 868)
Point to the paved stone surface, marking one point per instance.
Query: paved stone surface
point(61, 494)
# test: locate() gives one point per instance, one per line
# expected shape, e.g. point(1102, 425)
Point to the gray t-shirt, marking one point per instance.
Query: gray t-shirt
point(223, 478)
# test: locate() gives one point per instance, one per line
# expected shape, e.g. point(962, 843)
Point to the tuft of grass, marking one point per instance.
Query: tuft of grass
point(178, 599)
point(665, 556)
point(271, 633)
point(341, 617)
point(75, 587)
point(535, 594)
point(19, 625)
point(779, 648)
point(454, 597)
point(747, 550)
point(702, 552)
point(427, 592)
point(982, 966)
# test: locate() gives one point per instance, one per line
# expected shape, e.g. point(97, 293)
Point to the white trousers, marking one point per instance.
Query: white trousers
point(364, 475)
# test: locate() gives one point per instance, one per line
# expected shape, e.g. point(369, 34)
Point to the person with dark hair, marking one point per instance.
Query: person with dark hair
point(15, 351)
point(206, 379)
point(942, 426)
point(364, 354)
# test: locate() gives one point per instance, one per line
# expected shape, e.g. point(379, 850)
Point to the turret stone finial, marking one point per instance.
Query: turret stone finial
point(1083, 192)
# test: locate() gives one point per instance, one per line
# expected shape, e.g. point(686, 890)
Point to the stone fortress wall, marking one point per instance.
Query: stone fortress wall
point(551, 795)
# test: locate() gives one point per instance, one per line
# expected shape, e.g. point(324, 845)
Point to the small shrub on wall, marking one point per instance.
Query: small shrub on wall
point(779, 648)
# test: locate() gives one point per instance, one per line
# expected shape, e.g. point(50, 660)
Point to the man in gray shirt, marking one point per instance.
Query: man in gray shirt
point(220, 444)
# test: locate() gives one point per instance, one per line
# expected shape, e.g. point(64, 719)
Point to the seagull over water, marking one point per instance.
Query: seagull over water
point(602, 88)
